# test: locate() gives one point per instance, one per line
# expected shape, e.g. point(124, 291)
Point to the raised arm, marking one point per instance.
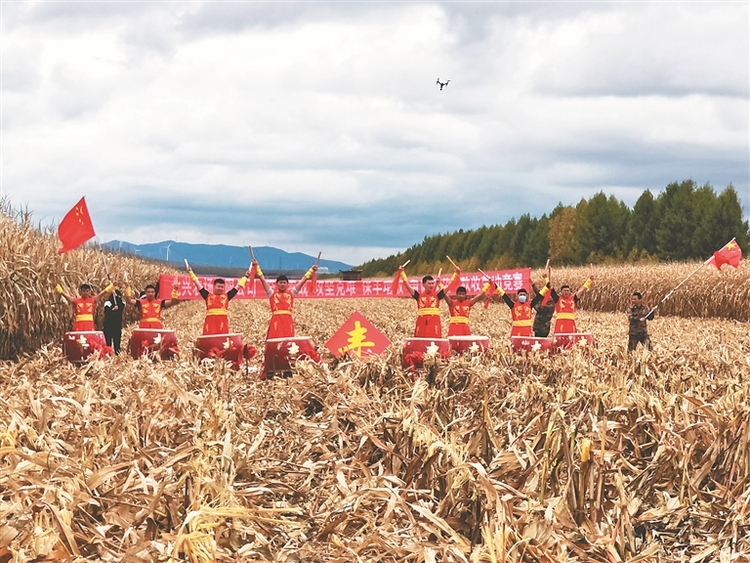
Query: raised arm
point(109, 289)
point(586, 284)
point(195, 279)
point(482, 294)
point(68, 298)
point(303, 280)
point(129, 299)
point(174, 298)
point(261, 277)
point(405, 279)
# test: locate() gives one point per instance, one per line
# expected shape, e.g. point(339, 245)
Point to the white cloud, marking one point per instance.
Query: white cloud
point(323, 122)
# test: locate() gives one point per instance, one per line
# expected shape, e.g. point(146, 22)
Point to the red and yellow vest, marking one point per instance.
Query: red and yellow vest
point(150, 310)
point(521, 313)
point(217, 305)
point(85, 309)
point(460, 312)
point(428, 304)
point(566, 308)
point(281, 303)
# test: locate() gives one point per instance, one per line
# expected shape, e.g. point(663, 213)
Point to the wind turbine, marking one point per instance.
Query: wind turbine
point(167, 247)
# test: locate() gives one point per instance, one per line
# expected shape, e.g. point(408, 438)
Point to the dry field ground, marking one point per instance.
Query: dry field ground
point(587, 456)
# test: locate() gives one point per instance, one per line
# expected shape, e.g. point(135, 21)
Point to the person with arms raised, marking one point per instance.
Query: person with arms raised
point(281, 299)
point(84, 305)
point(150, 307)
point(217, 302)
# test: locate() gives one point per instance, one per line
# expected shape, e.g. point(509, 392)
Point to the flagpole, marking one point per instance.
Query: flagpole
point(708, 261)
point(679, 285)
point(106, 268)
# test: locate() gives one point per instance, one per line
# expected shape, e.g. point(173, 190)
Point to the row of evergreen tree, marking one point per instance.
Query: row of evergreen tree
point(685, 221)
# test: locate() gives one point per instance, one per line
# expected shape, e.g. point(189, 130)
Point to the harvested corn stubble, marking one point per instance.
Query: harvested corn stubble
point(589, 455)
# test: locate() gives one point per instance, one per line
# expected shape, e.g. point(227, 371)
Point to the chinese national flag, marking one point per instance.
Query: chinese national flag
point(359, 336)
point(730, 254)
point(76, 227)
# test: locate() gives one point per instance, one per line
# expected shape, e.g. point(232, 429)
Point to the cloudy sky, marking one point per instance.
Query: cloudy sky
point(319, 126)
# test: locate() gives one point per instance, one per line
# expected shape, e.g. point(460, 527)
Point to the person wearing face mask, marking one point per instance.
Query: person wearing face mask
point(520, 310)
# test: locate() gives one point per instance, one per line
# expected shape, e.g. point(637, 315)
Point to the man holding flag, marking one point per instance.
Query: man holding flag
point(75, 229)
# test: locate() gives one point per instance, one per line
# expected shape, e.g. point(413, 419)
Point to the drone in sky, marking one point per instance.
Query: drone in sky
point(442, 84)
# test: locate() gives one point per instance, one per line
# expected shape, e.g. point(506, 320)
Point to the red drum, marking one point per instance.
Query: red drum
point(530, 344)
point(152, 342)
point(473, 344)
point(281, 353)
point(417, 349)
point(79, 345)
point(226, 346)
point(570, 340)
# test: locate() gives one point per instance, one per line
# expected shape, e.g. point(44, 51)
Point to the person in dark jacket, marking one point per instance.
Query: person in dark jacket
point(637, 317)
point(113, 308)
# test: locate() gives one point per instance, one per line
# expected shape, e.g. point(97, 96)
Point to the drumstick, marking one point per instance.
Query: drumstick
point(186, 263)
point(251, 254)
point(485, 275)
point(404, 264)
point(318, 258)
point(452, 262)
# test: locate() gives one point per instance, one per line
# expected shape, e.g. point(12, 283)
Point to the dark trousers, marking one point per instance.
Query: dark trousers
point(634, 339)
point(113, 335)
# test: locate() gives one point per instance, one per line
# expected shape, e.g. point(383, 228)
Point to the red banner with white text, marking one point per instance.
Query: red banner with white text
point(510, 280)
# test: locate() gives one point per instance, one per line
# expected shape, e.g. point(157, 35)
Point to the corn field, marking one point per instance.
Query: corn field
point(31, 313)
point(589, 455)
point(709, 293)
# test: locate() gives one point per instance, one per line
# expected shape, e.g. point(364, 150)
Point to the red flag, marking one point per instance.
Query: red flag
point(730, 254)
point(313, 282)
point(396, 281)
point(76, 227)
point(547, 297)
point(454, 283)
point(489, 293)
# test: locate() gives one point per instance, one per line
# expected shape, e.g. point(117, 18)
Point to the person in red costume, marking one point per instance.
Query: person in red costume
point(217, 303)
point(149, 306)
point(428, 307)
point(84, 305)
point(459, 309)
point(566, 305)
point(281, 298)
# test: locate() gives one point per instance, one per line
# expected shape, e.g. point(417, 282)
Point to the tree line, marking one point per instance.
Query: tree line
point(684, 222)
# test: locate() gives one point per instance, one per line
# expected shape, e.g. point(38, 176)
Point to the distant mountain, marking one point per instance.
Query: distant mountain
point(224, 256)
